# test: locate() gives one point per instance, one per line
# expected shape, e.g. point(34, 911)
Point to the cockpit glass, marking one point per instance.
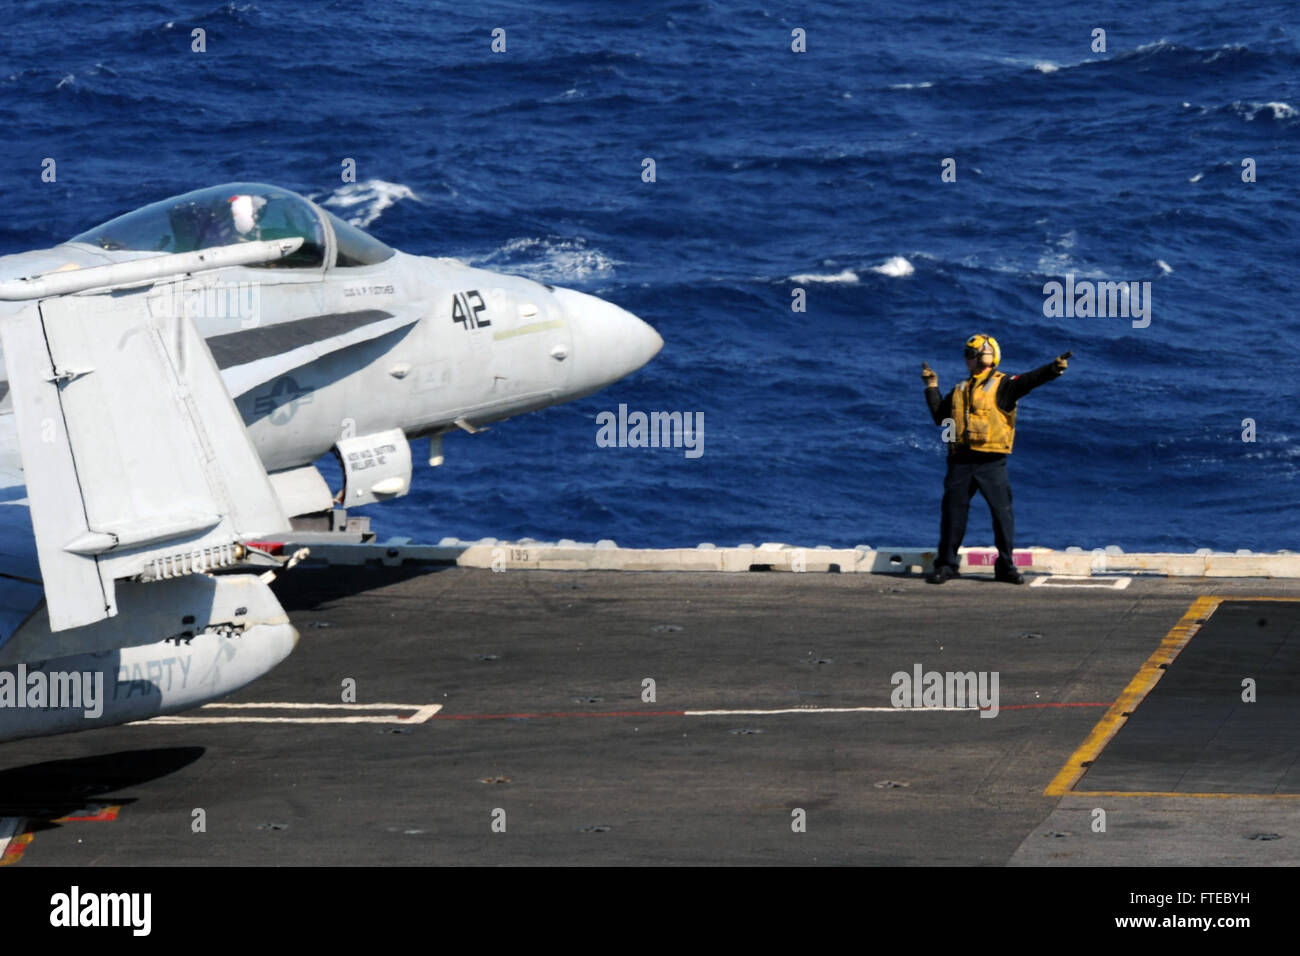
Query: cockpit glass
point(356, 248)
point(218, 216)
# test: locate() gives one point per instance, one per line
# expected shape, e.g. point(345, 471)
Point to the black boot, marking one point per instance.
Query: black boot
point(1009, 575)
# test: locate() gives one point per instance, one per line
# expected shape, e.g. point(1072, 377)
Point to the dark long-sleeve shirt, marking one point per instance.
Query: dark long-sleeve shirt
point(1012, 390)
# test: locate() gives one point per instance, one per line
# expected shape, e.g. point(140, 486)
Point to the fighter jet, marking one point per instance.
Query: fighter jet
point(171, 377)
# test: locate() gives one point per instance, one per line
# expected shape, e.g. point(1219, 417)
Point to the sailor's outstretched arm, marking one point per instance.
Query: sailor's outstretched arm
point(1018, 386)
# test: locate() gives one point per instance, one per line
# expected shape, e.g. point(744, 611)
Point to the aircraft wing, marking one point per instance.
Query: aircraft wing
point(135, 460)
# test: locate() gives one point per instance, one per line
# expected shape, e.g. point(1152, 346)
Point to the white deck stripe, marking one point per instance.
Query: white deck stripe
point(1079, 581)
point(421, 714)
point(271, 720)
point(322, 706)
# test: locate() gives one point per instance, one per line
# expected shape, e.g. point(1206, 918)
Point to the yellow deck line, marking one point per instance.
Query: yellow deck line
point(1146, 677)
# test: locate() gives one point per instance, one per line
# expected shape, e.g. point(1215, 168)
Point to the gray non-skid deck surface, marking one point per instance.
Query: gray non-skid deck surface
point(1194, 733)
point(558, 650)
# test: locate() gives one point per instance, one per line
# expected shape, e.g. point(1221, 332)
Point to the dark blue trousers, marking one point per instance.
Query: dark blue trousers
point(967, 474)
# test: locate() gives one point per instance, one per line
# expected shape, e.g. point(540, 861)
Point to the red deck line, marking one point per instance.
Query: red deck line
point(1041, 706)
point(682, 713)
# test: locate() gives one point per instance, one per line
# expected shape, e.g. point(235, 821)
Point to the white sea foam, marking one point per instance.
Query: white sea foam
point(1063, 261)
point(1043, 66)
point(546, 259)
point(911, 86)
point(1279, 110)
point(897, 267)
point(848, 275)
point(1230, 48)
point(1154, 45)
point(1165, 267)
point(365, 202)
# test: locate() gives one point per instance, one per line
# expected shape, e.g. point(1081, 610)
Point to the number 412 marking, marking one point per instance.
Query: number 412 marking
point(465, 313)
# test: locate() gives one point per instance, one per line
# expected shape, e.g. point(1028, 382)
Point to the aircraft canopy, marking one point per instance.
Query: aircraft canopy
point(218, 216)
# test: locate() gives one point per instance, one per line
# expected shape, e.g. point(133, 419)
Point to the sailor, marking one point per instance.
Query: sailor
point(979, 419)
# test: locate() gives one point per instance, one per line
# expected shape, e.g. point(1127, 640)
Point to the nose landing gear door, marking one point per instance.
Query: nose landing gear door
point(376, 467)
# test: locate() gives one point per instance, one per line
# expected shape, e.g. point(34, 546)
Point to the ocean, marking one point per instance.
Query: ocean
point(781, 177)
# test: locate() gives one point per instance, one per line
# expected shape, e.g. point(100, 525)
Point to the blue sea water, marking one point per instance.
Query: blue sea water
point(776, 170)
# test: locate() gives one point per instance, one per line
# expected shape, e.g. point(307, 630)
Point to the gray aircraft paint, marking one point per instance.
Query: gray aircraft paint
point(423, 345)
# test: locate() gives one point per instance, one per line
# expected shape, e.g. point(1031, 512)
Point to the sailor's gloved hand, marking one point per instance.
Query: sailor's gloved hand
point(1061, 362)
point(929, 376)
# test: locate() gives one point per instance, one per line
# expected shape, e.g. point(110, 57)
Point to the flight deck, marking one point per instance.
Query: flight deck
point(453, 715)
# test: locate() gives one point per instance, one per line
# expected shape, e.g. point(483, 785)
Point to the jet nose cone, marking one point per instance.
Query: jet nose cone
point(608, 342)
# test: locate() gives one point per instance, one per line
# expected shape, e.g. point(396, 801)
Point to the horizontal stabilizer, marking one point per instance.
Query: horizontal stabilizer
point(302, 491)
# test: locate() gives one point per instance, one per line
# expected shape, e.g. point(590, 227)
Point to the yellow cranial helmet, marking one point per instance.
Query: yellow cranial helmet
point(975, 345)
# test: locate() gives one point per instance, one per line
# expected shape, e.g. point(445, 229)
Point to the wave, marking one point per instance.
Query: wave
point(225, 15)
point(1171, 60)
point(1183, 60)
point(1276, 111)
point(896, 268)
point(1216, 168)
point(848, 275)
point(549, 258)
point(365, 202)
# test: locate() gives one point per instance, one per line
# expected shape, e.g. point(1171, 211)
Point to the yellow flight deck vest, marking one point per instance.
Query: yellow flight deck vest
point(980, 424)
